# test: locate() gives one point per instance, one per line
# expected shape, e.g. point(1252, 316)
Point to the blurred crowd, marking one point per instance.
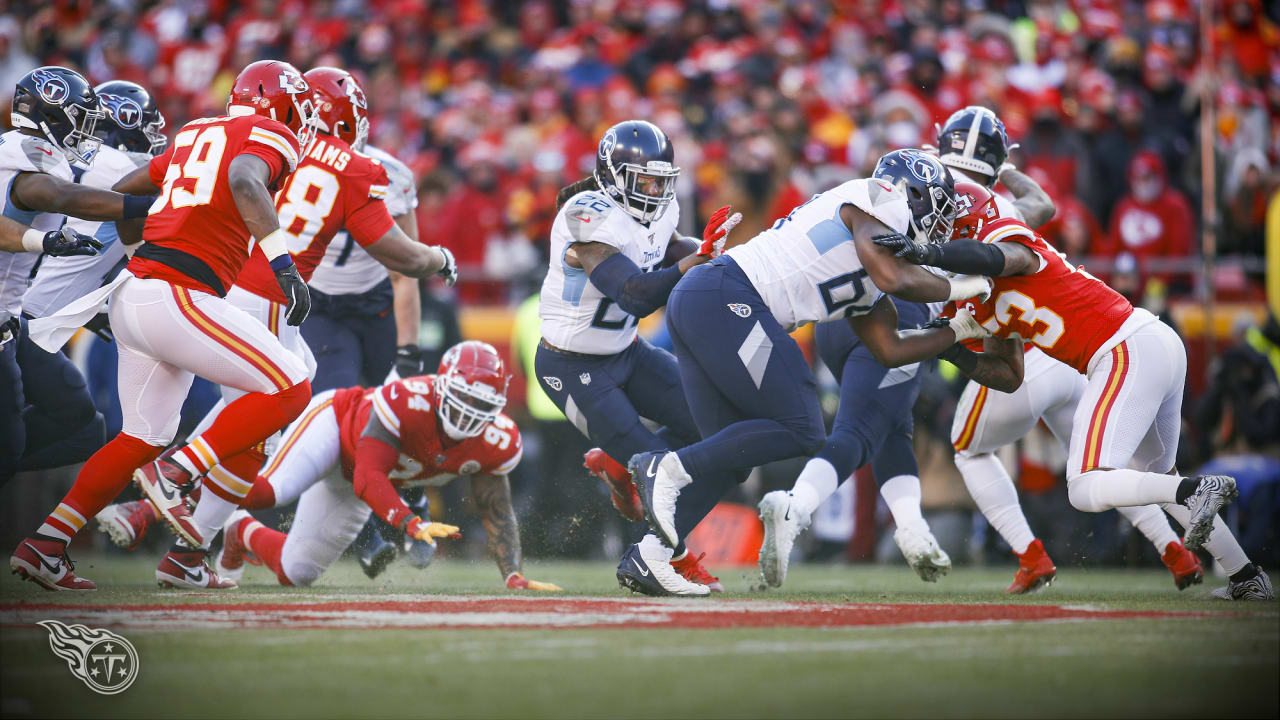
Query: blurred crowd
point(497, 103)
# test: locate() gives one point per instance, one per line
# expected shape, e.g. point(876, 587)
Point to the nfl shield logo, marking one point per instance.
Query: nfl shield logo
point(585, 378)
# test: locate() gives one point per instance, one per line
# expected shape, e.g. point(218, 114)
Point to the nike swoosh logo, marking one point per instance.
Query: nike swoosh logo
point(653, 461)
point(168, 494)
point(197, 577)
point(787, 515)
point(584, 219)
point(643, 571)
point(55, 568)
point(47, 152)
point(393, 392)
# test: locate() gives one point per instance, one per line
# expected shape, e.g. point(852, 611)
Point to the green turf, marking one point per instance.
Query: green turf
point(1225, 664)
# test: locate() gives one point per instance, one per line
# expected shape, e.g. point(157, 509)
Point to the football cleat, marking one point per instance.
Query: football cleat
point(659, 477)
point(46, 563)
point(1257, 587)
point(1213, 492)
point(1184, 565)
point(923, 553)
point(690, 568)
point(375, 555)
point(183, 567)
point(234, 553)
point(622, 492)
point(1035, 570)
point(782, 525)
point(126, 523)
point(163, 482)
point(646, 568)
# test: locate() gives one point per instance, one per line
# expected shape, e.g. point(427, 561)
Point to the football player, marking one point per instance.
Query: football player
point(334, 186)
point(1124, 432)
point(615, 255)
point(171, 320)
point(55, 112)
point(748, 385)
point(349, 452)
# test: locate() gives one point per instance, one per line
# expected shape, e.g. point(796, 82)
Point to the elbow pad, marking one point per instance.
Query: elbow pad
point(637, 292)
point(967, 256)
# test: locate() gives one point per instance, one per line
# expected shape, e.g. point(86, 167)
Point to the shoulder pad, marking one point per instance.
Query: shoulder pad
point(585, 213)
point(38, 155)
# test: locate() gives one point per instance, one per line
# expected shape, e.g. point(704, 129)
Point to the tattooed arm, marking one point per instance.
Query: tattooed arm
point(492, 494)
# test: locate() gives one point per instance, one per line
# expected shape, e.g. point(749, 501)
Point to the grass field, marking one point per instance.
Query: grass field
point(878, 643)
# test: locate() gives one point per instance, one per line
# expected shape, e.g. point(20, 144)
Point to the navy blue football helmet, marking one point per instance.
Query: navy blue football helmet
point(134, 122)
point(974, 140)
point(635, 168)
point(60, 104)
point(930, 190)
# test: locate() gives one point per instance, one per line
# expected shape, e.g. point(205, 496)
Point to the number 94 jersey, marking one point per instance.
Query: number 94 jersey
point(806, 267)
point(407, 409)
point(576, 316)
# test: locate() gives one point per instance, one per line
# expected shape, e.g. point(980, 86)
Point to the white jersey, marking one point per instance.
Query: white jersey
point(576, 316)
point(806, 267)
point(346, 268)
point(1003, 204)
point(23, 153)
point(63, 279)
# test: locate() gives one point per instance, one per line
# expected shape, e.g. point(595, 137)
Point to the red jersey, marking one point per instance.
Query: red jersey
point(1063, 310)
point(407, 408)
point(196, 214)
point(333, 188)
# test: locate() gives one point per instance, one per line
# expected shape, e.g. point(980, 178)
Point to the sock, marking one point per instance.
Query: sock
point(1186, 489)
point(817, 482)
point(1222, 545)
point(249, 420)
point(902, 495)
point(1248, 572)
point(227, 490)
point(196, 457)
point(1150, 521)
point(993, 492)
point(101, 479)
point(266, 544)
point(1099, 490)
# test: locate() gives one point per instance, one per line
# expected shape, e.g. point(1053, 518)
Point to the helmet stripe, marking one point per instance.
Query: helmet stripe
point(972, 140)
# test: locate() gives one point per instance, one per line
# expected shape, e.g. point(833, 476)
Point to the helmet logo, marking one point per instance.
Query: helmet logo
point(126, 113)
point(292, 82)
point(920, 166)
point(607, 144)
point(356, 95)
point(51, 87)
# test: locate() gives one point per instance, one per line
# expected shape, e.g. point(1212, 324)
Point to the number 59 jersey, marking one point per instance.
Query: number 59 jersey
point(806, 267)
point(407, 408)
point(576, 316)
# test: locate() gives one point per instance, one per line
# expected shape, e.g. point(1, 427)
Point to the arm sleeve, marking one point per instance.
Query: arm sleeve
point(374, 461)
point(636, 292)
point(969, 257)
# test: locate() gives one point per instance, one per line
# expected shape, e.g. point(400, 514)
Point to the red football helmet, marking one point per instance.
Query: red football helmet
point(341, 108)
point(275, 89)
point(472, 387)
point(977, 208)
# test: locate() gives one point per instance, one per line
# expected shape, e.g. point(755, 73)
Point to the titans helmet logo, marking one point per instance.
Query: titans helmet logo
point(124, 111)
point(51, 87)
point(921, 165)
point(607, 144)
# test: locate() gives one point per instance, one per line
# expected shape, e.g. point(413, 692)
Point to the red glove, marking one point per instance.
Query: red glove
point(717, 231)
point(517, 581)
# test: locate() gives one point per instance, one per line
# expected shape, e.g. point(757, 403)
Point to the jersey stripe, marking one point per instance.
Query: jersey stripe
point(274, 141)
point(1007, 232)
point(378, 191)
point(386, 414)
point(1102, 411)
point(971, 420)
point(224, 337)
point(295, 433)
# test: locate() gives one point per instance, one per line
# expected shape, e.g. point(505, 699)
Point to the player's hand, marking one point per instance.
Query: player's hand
point(716, 232)
point(1003, 168)
point(299, 297)
point(408, 361)
point(938, 322)
point(65, 241)
point(517, 581)
point(967, 327)
point(8, 330)
point(429, 531)
point(450, 270)
point(901, 246)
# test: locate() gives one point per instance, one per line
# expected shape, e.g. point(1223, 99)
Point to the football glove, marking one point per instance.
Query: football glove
point(450, 270)
point(517, 581)
point(967, 327)
point(295, 290)
point(716, 232)
point(408, 361)
point(65, 241)
point(916, 253)
point(429, 531)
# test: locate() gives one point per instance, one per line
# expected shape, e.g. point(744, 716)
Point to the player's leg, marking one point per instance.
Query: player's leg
point(329, 517)
point(336, 349)
point(377, 336)
point(13, 433)
point(654, 388)
point(62, 425)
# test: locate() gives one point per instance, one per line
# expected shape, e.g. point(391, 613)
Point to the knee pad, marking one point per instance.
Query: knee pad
point(1080, 491)
point(300, 574)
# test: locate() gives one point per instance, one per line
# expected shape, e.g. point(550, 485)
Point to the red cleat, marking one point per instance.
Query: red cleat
point(163, 482)
point(127, 523)
point(45, 563)
point(234, 554)
point(1035, 571)
point(691, 569)
point(188, 569)
point(1184, 565)
point(621, 490)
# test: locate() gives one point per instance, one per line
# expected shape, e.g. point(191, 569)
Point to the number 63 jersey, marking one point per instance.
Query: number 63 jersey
point(576, 316)
point(408, 409)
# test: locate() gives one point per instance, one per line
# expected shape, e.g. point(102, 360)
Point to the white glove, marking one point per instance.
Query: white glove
point(966, 326)
point(964, 287)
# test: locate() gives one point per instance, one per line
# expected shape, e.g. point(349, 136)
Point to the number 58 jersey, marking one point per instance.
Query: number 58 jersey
point(806, 267)
point(407, 409)
point(576, 316)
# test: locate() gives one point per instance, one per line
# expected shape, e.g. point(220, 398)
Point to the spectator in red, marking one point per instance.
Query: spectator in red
point(1248, 36)
point(1153, 222)
point(471, 217)
point(1073, 229)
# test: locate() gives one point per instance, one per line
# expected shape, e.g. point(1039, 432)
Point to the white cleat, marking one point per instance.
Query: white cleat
point(1257, 587)
point(1213, 493)
point(783, 523)
point(655, 558)
point(923, 553)
point(659, 477)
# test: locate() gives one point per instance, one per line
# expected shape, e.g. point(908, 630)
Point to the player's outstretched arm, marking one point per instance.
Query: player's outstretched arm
point(896, 276)
point(892, 347)
point(492, 495)
point(1028, 197)
point(999, 366)
point(43, 192)
point(16, 237)
point(137, 182)
point(377, 454)
point(400, 253)
point(964, 255)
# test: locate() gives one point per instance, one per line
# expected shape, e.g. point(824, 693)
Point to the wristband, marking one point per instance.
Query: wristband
point(33, 240)
point(964, 287)
point(282, 262)
point(136, 206)
point(273, 245)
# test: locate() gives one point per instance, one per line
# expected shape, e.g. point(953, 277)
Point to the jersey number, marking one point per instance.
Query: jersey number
point(192, 183)
point(1031, 315)
point(308, 199)
point(838, 298)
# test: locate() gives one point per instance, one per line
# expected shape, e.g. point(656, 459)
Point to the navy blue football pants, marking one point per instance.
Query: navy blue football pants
point(353, 337)
point(874, 420)
point(748, 385)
